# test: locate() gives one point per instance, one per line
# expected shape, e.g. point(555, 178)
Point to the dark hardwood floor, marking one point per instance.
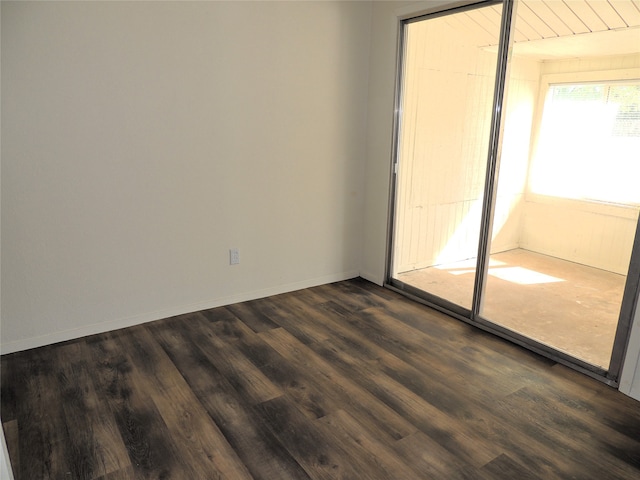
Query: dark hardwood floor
point(347, 380)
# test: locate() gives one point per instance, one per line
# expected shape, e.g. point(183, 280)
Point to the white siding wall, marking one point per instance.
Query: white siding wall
point(445, 127)
point(584, 232)
point(522, 95)
point(442, 168)
point(592, 234)
point(448, 95)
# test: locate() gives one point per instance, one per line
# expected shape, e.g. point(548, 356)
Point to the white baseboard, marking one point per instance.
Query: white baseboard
point(34, 342)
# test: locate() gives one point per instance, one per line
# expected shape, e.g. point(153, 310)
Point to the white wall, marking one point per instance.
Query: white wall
point(142, 140)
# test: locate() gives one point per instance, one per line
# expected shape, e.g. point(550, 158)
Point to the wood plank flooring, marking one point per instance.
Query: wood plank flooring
point(347, 380)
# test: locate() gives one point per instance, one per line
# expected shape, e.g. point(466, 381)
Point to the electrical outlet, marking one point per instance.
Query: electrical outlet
point(234, 256)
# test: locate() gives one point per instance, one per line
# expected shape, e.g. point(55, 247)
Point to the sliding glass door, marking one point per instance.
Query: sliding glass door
point(514, 199)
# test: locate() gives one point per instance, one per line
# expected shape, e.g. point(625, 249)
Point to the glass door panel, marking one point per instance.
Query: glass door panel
point(566, 207)
point(447, 93)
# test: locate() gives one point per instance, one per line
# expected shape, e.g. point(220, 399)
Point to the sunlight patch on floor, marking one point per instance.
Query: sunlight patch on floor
point(522, 276)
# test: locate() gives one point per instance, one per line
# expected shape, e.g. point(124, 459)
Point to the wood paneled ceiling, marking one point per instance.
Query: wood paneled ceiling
point(560, 28)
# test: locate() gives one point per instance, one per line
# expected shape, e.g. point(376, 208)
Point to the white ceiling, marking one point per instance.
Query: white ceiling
point(611, 42)
point(548, 29)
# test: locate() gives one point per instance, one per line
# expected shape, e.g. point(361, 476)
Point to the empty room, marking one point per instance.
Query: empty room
point(320, 239)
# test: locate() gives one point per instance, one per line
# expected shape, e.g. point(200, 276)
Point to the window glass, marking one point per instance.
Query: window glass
point(589, 143)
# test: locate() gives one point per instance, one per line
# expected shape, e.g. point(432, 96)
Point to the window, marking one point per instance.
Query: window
point(589, 143)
